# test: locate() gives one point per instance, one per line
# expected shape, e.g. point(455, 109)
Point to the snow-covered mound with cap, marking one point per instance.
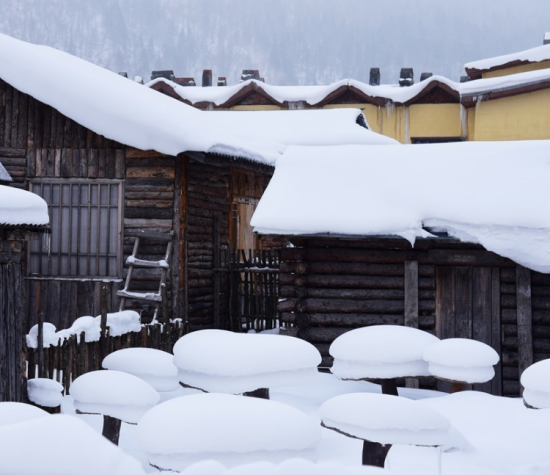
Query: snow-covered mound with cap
point(385, 419)
point(16, 412)
point(230, 429)
point(381, 351)
point(462, 360)
point(45, 392)
point(536, 381)
point(49, 336)
point(20, 208)
point(113, 393)
point(226, 362)
point(61, 445)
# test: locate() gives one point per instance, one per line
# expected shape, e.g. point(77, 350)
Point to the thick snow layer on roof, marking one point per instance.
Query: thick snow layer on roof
point(536, 381)
point(480, 86)
point(113, 393)
point(61, 445)
point(153, 366)
point(16, 412)
point(381, 351)
point(4, 175)
point(533, 55)
point(230, 429)
point(20, 207)
point(385, 419)
point(491, 193)
point(222, 361)
point(45, 392)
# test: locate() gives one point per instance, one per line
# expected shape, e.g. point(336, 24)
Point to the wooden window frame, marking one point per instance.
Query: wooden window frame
point(115, 201)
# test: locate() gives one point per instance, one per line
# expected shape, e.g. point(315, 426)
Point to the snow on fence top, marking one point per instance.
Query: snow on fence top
point(533, 55)
point(22, 208)
point(492, 193)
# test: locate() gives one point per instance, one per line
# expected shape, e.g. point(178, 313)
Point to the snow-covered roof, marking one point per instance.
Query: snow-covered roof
point(492, 193)
point(22, 208)
point(533, 55)
point(4, 175)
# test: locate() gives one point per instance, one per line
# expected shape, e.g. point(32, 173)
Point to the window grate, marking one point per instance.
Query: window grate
point(85, 220)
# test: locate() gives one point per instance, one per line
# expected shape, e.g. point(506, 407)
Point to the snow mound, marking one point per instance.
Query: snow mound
point(460, 359)
point(222, 361)
point(16, 412)
point(61, 445)
point(120, 323)
point(45, 392)
point(113, 393)
point(536, 381)
point(230, 429)
point(381, 351)
point(155, 367)
point(385, 419)
point(49, 336)
point(20, 207)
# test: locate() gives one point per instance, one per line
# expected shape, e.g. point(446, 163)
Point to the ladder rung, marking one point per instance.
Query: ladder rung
point(150, 235)
point(155, 297)
point(141, 263)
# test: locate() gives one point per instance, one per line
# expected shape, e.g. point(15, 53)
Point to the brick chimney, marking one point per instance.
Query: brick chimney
point(123, 74)
point(166, 74)
point(464, 78)
point(185, 81)
point(222, 81)
point(406, 78)
point(374, 78)
point(546, 39)
point(206, 78)
point(424, 76)
point(250, 74)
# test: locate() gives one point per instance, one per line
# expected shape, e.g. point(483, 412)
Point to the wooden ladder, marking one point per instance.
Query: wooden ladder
point(159, 298)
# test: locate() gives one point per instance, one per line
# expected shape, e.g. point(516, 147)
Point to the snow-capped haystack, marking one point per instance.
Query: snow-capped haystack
point(16, 412)
point(22, 208)
point(384, 419)
point(381, 352)
point(235, 363)
point(155, 367)
point(116, 395)
point(61, 445)
point(49, 336)
point(536, 381)
point(230, 429)
point(45, 392)
point(462, 360)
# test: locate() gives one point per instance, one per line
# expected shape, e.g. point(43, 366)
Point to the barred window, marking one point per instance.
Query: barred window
point(85, 219)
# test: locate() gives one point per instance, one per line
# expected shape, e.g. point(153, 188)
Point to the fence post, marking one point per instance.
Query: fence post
point(216, 276)
point(40, 342)
point(103, 334)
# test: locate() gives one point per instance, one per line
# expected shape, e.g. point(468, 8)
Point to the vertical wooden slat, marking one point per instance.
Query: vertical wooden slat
point(482, 311)
point(525, 318)
point(411, 305)
point(216, 277)
point(496, 339)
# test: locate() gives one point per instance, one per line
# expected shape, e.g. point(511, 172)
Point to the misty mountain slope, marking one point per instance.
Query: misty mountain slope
point(289, 41)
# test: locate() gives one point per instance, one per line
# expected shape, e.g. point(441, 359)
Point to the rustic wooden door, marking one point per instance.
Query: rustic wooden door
point(468, 306)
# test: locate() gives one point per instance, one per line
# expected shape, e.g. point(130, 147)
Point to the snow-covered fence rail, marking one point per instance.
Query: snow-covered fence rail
point(74, 356)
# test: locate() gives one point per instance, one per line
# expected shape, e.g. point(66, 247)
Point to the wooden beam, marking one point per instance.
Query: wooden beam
point(411, 306)
point(525, 318)
point(496, 383)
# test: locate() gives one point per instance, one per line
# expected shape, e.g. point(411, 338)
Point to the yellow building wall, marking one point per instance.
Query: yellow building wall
point(371, 112)
point(522, 117)
point(516, 69)
point(435, 120)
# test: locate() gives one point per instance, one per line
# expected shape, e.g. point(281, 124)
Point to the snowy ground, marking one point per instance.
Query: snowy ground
point(505, 437)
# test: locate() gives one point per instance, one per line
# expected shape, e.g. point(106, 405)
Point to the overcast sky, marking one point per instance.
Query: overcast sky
point(290, 41)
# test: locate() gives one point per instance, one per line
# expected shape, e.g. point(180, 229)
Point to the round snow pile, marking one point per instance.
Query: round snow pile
point(230, 429)
point(61, 445)
point(16, 412)
point(385, 419)
point(381, 352)
point(462, 360)
point(226, 362)
point(88, 325)
point(49, 336)
point(120, 323)
point(155, 367)
point(45, 392)
point(113, 393)
point(536, 381)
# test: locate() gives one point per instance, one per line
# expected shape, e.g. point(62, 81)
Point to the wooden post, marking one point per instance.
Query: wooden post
point(40, 341)
point(111, 429)
point(216, 239)
point(496, 330)
point(262, 393)
point(525, 318)
point(389, 386)
point(374, 454)
point(103, 334)
point(411, 305)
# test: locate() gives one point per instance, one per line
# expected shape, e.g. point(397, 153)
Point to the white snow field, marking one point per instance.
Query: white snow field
point(227, 362)
point(381, 351)
point(536, 381)
point(16, 412)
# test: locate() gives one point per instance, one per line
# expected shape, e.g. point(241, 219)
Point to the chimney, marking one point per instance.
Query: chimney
point(250, 74)
point(406, 77)
point(138, 79)
point(124, 75)
point(464, 78)
point(166, 74)
point(262, 79)
point(222, 81)
point(185, 82)
point(206, 78)
point(546, 39)
point(374, 79)
point(424, 76)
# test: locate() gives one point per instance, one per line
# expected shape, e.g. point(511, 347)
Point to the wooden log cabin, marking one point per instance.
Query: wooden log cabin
point(120, 160)
point(344, 270)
